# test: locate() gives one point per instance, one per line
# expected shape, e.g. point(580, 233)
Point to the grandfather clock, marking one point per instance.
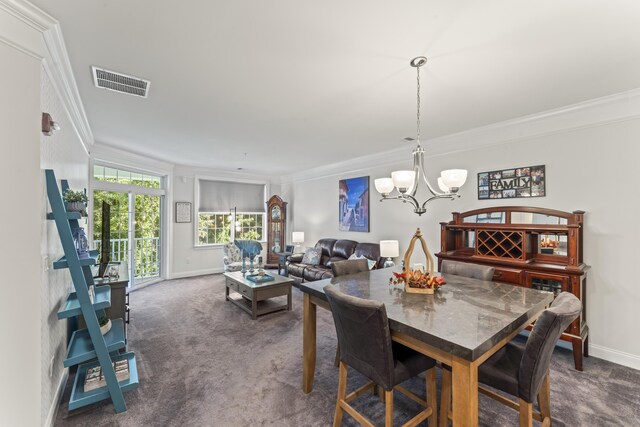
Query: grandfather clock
point(276, 229)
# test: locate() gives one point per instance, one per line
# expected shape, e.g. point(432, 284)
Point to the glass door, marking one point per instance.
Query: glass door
point(119, 224)
point(146, 239)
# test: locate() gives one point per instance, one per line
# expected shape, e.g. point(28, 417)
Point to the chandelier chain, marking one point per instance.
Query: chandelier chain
point(418, 109)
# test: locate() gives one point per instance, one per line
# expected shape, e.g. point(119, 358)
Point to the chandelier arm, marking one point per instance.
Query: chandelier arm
point(404, 198)
point(450, 196)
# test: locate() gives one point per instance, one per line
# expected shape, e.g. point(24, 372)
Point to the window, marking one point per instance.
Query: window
point(105, 173)
point(219, 202)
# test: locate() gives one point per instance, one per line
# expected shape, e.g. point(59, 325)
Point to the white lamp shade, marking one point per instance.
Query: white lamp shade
point(443, 187)
point(297, 236)
point(384, 185)
point(454, 178)
point(389, 248)
point(403, 179)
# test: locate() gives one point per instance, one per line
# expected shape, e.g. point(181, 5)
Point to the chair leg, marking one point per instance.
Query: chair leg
point(544, 398)
point(342, 394)
point(445, 398)
point(388, 415)
point(431, 398)
point(526, 414)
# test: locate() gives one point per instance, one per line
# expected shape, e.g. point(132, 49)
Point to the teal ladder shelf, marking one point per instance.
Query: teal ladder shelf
point(88, 348)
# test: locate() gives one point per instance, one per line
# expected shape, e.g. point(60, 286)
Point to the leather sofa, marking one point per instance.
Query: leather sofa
point(332, 250)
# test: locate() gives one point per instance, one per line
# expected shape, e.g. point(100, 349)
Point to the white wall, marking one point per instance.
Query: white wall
point(590, 168)
point(189, 260)
point(20, 260)
point(64, 153)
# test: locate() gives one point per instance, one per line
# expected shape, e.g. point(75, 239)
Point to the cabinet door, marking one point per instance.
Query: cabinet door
point(555, 283)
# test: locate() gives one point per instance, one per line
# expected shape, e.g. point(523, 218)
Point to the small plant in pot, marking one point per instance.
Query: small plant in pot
point(75, 201)
point(105, 324)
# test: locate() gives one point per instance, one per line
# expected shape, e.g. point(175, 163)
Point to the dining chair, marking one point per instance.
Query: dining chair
point(522, 370)
point(351, 266)
point(365, 345)
point(473, 271)
point(342, 268)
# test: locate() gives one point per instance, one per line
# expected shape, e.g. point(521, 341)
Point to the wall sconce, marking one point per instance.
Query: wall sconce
point(48, 125)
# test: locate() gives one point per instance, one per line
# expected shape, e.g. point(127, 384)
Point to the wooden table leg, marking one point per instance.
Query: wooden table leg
point(254, 305)
point(308, 344)
point(226, 291)
point(465, 393)
point(289, 299)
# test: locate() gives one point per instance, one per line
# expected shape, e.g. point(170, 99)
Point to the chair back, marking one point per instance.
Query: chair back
point(232, 252)
point(352, 266)
point(363, 335)
point(473, 271)
point(542, 340)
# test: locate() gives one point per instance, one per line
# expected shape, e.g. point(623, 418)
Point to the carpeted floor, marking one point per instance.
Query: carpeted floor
point(204, 362)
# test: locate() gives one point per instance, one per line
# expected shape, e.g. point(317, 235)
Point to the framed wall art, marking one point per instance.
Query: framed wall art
point(353, 204)
point(183, 211)
point(512, 183)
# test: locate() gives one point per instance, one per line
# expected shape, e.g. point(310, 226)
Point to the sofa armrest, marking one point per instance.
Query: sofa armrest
point(297, 258)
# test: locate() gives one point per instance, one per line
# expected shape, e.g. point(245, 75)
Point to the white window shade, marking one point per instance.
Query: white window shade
point(220, 196)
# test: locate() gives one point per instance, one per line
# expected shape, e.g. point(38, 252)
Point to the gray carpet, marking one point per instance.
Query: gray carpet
point(204, 362)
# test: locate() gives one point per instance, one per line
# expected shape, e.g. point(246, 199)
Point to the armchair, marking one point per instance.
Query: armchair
point(233, 253)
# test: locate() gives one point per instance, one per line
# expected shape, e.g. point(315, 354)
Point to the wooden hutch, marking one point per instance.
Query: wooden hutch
point(528, 246)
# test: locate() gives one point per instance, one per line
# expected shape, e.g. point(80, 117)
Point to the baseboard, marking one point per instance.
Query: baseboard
point(615, 356)
point(183, 274)
point(55, 404)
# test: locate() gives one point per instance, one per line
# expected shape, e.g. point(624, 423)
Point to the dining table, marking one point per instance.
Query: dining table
point(462, 324)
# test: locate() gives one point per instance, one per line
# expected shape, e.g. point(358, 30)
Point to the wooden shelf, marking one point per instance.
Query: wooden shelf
point(72, 308)
point(92, 260)
point(81, 398)
point(81, 347)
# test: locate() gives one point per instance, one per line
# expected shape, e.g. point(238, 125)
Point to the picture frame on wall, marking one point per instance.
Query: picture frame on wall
point(528, 181)
point(353, 204)
point(183, 212)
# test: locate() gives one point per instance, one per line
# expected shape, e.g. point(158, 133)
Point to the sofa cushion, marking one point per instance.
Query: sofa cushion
point(317, 272)
point(312, 256)
point(370, 251)
point(327, 246)
point(344, 248)
point(332, 260)
point(370, 263)
point(296, 269)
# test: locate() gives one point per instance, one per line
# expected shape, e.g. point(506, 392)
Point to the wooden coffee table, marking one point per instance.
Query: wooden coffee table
point(257, 298)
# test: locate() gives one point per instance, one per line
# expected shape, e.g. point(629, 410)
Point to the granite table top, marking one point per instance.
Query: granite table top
point(465, 317)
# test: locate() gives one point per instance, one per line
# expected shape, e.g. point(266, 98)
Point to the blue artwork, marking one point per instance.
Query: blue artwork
point(353, 204)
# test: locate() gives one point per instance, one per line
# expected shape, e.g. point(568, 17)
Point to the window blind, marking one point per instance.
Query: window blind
point(220, 196)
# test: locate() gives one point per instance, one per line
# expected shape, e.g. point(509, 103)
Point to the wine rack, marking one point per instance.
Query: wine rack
point(501, 244)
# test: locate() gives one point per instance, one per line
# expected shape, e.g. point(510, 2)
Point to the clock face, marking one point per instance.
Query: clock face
point(275, 213)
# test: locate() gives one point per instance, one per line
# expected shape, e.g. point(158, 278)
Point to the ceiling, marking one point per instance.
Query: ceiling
point(297, 84)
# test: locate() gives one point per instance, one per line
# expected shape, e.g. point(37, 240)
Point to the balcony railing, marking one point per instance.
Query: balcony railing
point(147, 254)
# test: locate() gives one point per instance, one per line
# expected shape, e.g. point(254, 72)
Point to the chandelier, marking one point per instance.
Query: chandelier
point(407, 181)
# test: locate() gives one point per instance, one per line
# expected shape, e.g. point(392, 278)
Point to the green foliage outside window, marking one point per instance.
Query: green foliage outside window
point(215, 227)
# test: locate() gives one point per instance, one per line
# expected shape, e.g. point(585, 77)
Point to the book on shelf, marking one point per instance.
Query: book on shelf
point(95, 379)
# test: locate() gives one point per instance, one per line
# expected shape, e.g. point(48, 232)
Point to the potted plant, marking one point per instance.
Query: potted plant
point(105, 324)
point(75, 201)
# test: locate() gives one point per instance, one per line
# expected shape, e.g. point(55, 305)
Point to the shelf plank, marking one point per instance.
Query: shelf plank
point(78, 396)
point(70, 215)
point(72, 308)
point(81, 347)
point(92, 260)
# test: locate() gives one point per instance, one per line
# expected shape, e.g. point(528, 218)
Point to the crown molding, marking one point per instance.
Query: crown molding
point(596, 112)
point(113, 156)
point(36, 33)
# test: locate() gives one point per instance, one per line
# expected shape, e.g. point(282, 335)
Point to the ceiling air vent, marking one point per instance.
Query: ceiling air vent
point(119, 82)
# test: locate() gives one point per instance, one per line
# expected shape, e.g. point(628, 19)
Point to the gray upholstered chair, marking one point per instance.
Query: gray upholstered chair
point(352, 266)
point(366, 346)
point(473, 271)
point(523, 370)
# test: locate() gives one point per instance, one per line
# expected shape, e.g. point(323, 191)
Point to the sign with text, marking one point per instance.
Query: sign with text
point(512, 183)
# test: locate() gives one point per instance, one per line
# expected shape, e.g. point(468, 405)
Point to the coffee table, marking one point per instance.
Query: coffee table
point(257, 298)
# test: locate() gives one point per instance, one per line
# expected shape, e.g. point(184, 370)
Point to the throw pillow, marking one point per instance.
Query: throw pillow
point(312, 256)
point(370, 262)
